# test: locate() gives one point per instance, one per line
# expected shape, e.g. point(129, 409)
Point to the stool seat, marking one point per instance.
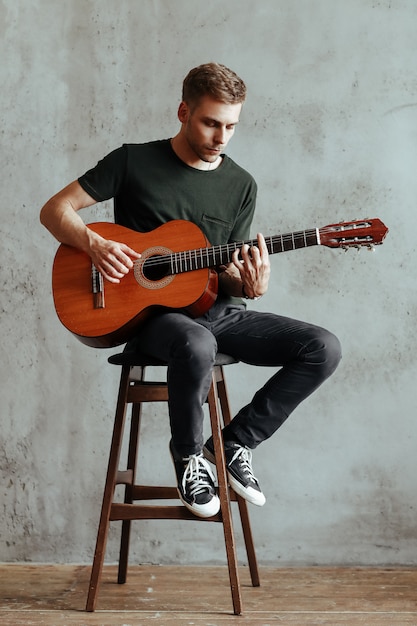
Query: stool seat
point(135, 390)
point(135, 359)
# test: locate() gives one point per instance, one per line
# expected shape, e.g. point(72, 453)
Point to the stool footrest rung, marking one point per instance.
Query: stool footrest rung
point(147, 392)
point(143, 511)
point(153, 492)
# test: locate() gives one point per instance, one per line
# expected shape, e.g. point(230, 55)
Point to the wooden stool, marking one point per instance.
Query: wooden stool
point(135, 390)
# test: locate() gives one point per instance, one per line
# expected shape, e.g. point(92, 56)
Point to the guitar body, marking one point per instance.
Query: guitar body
point(127, 304)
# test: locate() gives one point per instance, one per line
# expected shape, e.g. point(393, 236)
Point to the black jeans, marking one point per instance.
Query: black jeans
point(304, 356)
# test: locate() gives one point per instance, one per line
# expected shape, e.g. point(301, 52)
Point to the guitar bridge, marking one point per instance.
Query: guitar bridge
point(97, 288)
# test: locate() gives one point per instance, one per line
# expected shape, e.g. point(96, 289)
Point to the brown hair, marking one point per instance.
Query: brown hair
point(215, 80)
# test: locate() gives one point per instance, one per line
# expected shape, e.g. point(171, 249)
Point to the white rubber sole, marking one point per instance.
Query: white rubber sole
point(202, 510)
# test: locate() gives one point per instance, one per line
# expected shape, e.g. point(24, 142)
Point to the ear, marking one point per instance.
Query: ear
point(183, 112)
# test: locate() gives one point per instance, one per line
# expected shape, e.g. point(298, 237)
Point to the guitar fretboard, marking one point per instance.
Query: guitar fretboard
point(213, 256)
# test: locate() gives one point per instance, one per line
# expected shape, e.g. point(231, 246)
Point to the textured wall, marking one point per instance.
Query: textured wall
point(330, 132)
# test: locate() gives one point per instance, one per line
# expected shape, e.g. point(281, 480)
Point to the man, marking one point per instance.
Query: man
point(190, 177)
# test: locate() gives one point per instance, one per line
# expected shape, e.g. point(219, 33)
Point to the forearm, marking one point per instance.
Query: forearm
point(60, 216)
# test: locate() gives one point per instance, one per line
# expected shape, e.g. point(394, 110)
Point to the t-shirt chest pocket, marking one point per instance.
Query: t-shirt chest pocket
point(216, 229)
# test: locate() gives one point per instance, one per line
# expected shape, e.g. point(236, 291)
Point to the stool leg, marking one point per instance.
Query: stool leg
point(103, 528)
point(224, 497)
point(131, 466)
point(242, 504)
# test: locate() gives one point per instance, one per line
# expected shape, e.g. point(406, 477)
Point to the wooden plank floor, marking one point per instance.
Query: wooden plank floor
point(55, 595)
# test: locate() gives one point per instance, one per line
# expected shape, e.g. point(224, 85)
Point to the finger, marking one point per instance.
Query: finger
point(255, 255)
point(113, 262)
point(120, 259)
point(118, 265)
point(109, 274)
point(262, 245)
point(236, 260)
point(130, 252)
point(120, 253)
point(110, 278)
point(245, 253)
point(252, 258)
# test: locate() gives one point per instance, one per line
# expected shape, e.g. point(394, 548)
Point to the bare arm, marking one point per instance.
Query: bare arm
point(250, 275)
point(60, 216)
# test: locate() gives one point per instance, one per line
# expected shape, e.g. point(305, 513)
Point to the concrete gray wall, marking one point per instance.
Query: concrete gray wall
point(329, 131)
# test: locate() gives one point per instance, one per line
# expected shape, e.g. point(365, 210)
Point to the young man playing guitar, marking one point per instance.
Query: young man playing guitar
point(189, 177)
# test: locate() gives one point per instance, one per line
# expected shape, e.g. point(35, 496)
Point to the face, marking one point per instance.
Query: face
point(208, 127)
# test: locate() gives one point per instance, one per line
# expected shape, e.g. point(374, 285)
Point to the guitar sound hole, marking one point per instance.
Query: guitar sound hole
point(155, 268)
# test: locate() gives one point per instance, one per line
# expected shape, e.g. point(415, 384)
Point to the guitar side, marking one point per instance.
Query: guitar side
point(129, 303)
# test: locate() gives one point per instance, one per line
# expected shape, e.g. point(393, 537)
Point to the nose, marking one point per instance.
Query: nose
point(220, 136)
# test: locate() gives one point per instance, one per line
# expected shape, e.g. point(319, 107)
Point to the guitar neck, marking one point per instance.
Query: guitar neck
point(189, 260)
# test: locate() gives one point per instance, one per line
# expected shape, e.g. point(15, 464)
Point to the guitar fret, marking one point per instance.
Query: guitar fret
point(218, 255)
point(299, 240)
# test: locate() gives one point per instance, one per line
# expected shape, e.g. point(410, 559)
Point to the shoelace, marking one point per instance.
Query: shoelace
point(244, 457)
point(197, 475)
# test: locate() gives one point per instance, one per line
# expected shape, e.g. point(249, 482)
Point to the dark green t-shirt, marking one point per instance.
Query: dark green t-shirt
point(151, 185)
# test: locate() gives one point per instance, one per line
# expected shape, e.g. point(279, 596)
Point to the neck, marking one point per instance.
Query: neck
point(189, 157)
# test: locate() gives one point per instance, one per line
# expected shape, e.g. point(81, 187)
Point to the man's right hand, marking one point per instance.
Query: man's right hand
point(111, 258)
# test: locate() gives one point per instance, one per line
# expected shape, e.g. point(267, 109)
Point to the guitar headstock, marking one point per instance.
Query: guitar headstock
point(357, 233)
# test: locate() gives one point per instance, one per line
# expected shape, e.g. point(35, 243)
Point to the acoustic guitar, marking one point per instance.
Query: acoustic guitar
point(175, 271)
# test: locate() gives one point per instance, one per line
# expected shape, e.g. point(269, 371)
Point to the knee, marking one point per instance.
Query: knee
point(325, 351)
point(197, 350)
point(333, 351)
